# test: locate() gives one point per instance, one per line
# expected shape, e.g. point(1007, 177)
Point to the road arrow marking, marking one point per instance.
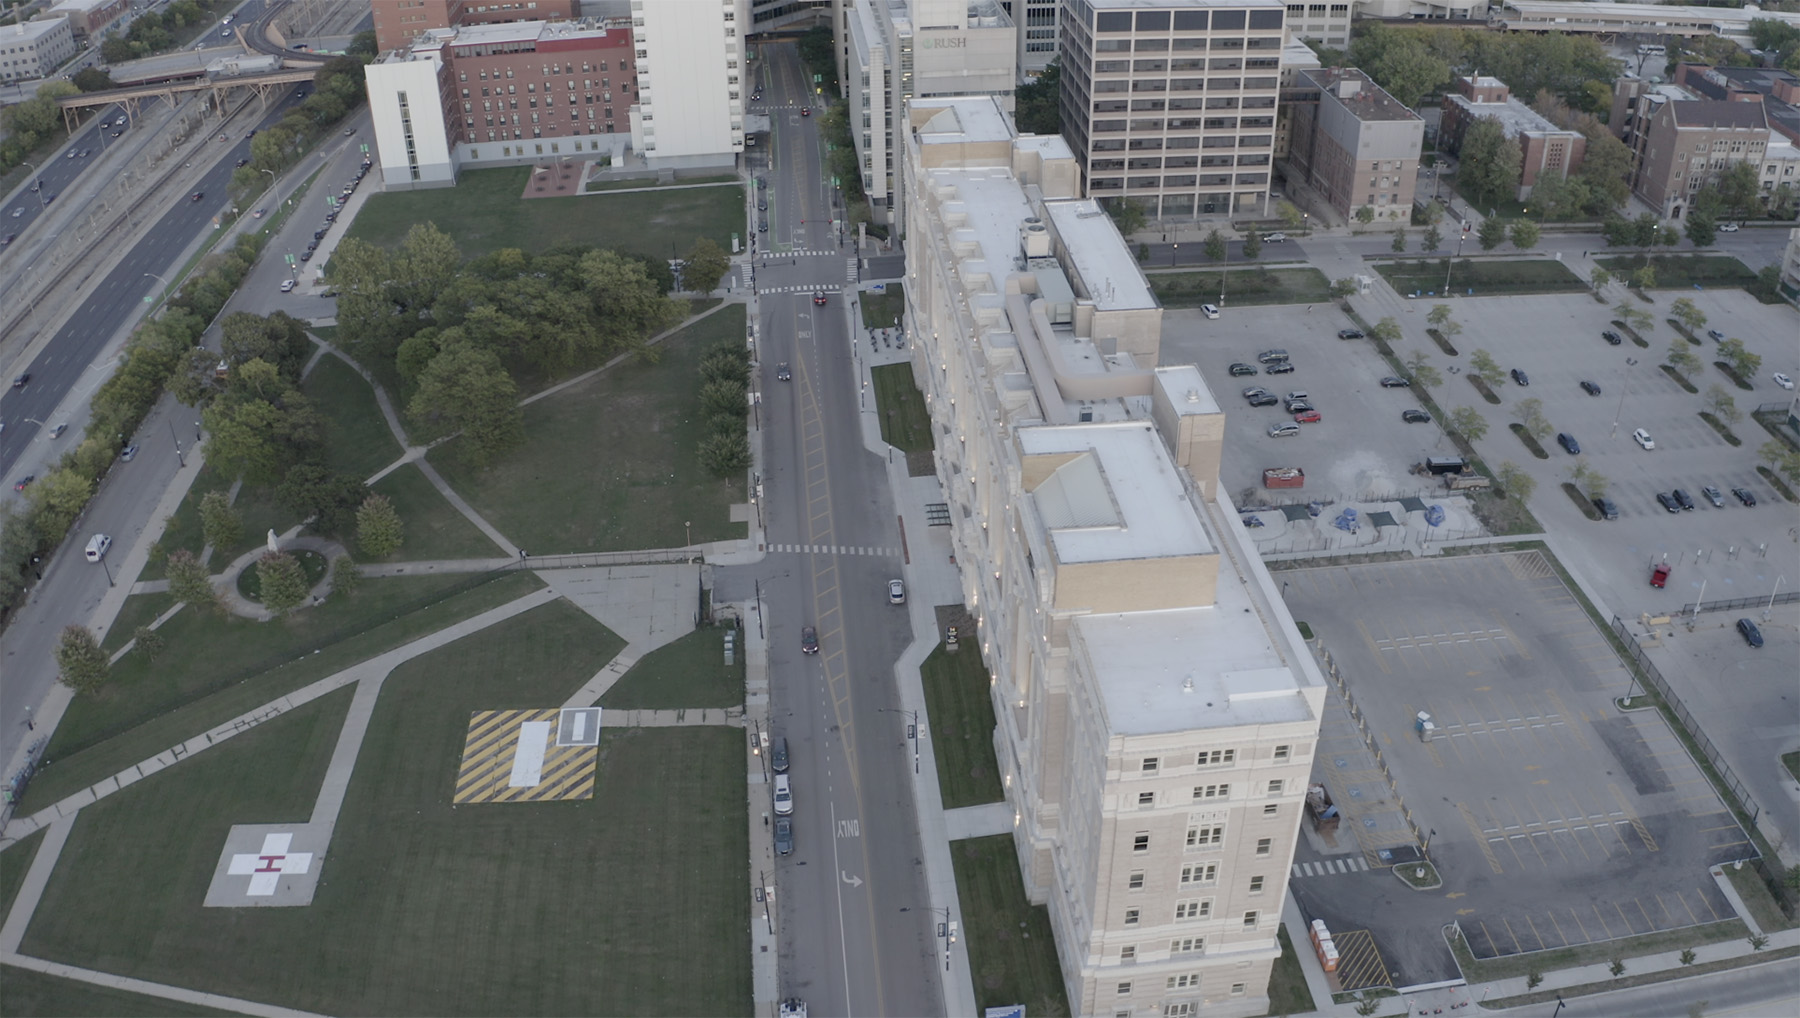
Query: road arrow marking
point(848, 879)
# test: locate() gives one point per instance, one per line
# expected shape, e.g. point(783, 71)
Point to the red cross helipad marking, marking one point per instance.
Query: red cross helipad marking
point(265, 868)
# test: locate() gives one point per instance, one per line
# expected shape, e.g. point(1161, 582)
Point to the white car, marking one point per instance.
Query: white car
point(1728, 227)
point(96, 547)
point(784, 796)
point(287, 286)
point(1283, 430)
point(1643, 438)
point(1274, 238)
point(1209, 310)
point(896, 592)
point(1784, 381)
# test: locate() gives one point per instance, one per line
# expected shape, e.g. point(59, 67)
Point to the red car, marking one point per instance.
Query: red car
point(819, 297)
point(1307, 417)
point(806, 111)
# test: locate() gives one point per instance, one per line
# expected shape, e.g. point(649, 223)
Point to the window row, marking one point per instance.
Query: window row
point(1189, 910)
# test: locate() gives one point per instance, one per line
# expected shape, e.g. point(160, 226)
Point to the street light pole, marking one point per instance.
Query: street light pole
point(178, 454)
point(912, 730)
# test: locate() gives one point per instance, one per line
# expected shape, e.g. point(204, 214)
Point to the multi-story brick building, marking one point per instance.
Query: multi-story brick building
point(1681, 143)
point(1172, 104)
point(1357, 145)
point(1544, 147)
point(1157, 709)
point(398, 22)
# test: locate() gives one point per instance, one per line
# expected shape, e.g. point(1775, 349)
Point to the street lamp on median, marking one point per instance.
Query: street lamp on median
point(912, 729)
point(946, 929)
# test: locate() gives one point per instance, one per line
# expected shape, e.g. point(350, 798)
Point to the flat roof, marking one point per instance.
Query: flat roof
point(962, 119)
point(1120, 501)
point(1514, 116)
point(1104, 267)
point(1170, 5)
point(1186, 390)
point(32, 29)
point(1369, 102)
point(1192, 668)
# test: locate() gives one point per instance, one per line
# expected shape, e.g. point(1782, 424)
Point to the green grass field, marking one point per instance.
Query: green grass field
point(1012, 953)
point(14, 863)
point(905, 422)
point(1190, 289)
point(962, 726)
point(487, 210)
point(1288, 993)
point(256, 507)
point(611, 464)
point(883, 310)
point(1486, 278)
point(690, 672)
point(357, 439)
point(1682, 272)
point(590, 907)
point(24, 992)
point(215, 668)
point(434, 529)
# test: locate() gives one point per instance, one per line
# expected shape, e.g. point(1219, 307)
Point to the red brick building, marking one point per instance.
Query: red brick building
point(398, 22)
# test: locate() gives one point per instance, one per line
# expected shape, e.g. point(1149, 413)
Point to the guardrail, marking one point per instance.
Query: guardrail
point(1696, 607)
point(647, 557)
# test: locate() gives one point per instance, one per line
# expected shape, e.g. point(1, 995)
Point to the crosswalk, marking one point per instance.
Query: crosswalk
point(834, 549)
point(777, 257)
point(851, 275)
point(1329, 867)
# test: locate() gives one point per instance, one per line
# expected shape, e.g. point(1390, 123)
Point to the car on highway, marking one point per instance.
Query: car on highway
point(1350, 334)
point(18, 210)
point(1752, 635)
point(196, 196)
point(24, 482)
point(1608, 508)
point(1395, 382)
point(1667, 501)
point(1744, 495)
point(1415, 417)
point(783, 373)
point(7, 240)
point(806, 111)
point(1612, 337)
point(1209, 310)
point(809, 640)
point(1642, 437)
point(348, 131)
point(896, 592)
point(71, 154)
point(1784, 381)
point(259, 213)
point(1520, 378)
point(1591, 388)
point(1240, 368)
point(1283, 430)
point(1711, 494)
point(784, 836)
point(1567, 441)
point(819, 298)
point(1307, 417)
point(240, 164)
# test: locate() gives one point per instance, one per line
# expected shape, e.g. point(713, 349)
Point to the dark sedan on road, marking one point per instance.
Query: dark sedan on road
point(809, 640)
point(1415, 417)
point(1591, 388)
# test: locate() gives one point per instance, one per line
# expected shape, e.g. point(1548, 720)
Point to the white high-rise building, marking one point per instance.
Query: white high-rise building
point(690, 77)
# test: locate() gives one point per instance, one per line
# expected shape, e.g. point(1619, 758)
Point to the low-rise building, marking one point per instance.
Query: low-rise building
point(1356, 145)
point(89, 18)
point(1681, 143)
point(1156, 707)
point(1779, 92)
point(1544, 147)
point(33, 49)
point(398, 22)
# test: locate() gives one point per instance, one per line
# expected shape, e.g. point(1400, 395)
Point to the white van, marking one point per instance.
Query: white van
point(784, 796)
point(96, 548)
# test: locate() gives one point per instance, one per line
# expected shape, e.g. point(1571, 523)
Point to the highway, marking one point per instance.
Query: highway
point(855, 925)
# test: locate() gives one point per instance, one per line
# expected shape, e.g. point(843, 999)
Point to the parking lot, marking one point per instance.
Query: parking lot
point(1555, 818)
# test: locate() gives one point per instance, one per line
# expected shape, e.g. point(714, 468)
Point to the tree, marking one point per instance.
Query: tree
point(1252, 245)
point(705, 265)
point(1342, 287)
point(379, 529)
point(283, 582)
point(1525, 234)
point(627, 305)
point(1419, 369)
point(278, 339)
point(1644, 278)
point(1605, 169)
point(1483, 366)
point(1784, 199)
point(1681, 357)
point(80, 663)
point(1701, 229)
point(1531, 416)
point(1600, 278)
point(1290, 214)
point(1385, 331)
point(1722, 405)
point(345, 577)
point(1433, 239)
point(1780, 459)
point(464, 389)
point(1635, 318)
point(1128, 216)
point(1440, 313)
point(260, 437)
point(1742, 361)
point(1468, 422)
point(1685, 311)
point(1739, 189)
point(1491, 233)
point(219, 522)
point(149, 642)
point(1215, 246)
point(726, 397)
point(1399, 244)
point(1490, 163)
point(725, 454)
point(1037, 105)
point(189, 581)
point(328, 501)
point(1400, 62)
point(1365, 214)
point(55, 501)
point(1514, 482)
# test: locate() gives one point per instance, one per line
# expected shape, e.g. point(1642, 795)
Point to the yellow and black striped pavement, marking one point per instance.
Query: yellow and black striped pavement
point(493, 742)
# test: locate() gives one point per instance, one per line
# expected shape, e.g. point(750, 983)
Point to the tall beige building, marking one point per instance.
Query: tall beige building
point(1157, 710)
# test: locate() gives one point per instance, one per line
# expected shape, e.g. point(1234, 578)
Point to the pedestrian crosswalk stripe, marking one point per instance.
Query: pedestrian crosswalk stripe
point(833, 549)
point(1327, 867)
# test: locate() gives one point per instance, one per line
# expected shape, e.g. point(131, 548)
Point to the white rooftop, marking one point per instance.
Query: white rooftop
point(1122, 500)
point(33, 29)
point(1103, 264)
point(962, 120)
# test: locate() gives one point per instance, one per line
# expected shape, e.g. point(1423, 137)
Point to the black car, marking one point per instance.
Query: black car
point(19, 382)
point(1752, 635)
point(1254, 390)
point(306, 256)
point(809, 640)
point(1567, 441)
point(240, 164)
point(1279, 368)
point(1668, 502)
point(196, 196)
point(784, 836)
point(1682, 498)
point(1743, 494)
point(1519, 377)
point(1395, 382)
point(1608, 509)
point(1415, 417)
point(1350, 334)
point(1266, 399)
point(24, 482)
point(762, 227)
point(318, 234)
point(762, 206)
point(1612, 337)
point(782, 373)
point(1591, 388)
point(1241, 368)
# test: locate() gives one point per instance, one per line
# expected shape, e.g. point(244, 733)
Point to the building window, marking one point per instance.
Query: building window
point(1200, 873)
point(1179, 1009)
point(1128, 952)
point(1216, 758)
point(1237, 989)
point(1263, 846)
point(1198, 837)
point(1250, 920)
point(1281, 752)
point(1146, 798)
point(1212, 791)
point(1136, 881)
point(1184, 981)
point(1131, 917)
point(1187, 945)
point(1124, 989)
point(1275, 786)
point(1271, 809)
point(1256, 885)
point(1149, 765)
point(1141, 842)
point(1193, 908)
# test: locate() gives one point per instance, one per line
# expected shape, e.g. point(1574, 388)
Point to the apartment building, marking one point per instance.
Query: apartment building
point(1790, 269)
point(1544, 147)
point(1356, 145)
point(1172, 104)
point(690, 68)
point(1779, 93)
point(1680, 143)
point(33, 49)
point(1036, 23)
point(89, 18)
point(1156, 707)
point(500, 94)
point(398, 22)
point(1326, 23)
point(901, 50)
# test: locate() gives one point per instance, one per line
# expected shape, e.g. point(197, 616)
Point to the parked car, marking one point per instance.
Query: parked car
point(1683, 499)
point(784, 796)
point(1752, 635)
point(1283, 430)
point(1591, 388)
point(57, 432)
point(1567, 441)
point(1279, 368)
point(1350, 334)
point(1209, 310)
point(1240, 368)
point(1271, 356)
point(1711, 494)
point(784, 836)
point(1395, 382)
point(1415, 417)
point(1297, 406)
point(240, 164)
point(1608, 508)
point(24, 482)
point(1307, 417)
point(1520, 378)
point(1274, 238)
point(1266, 399)
point(129, 453)
point(1667, 501)
point(287, 286)
point(1727, 227)
point(1744, 495)
point(259, 213)
point(809, 640)
point(896, 592)
point(1642, 437)
point(1784, 381)
point(96, 547)
point(1612, 337)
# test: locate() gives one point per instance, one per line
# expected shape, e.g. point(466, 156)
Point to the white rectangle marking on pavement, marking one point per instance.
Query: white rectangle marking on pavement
point(528, 759)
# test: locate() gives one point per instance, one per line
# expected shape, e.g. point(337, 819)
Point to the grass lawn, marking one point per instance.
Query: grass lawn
point(690, 672)
point(905, 422)
point(15, 862)
point(1287, 981)
point(255, 506)
point(882, 310)
point(1012, 953)
point(23, 991)
point(962, 726)
point(215, 668)
point(434, 529)
point(357, 439)
point(1425, 276)
point(612, 464)
point(1682, 272)
point(139, 610)
point(487, 211)
point(312, 564)
point(1190, 289)
point(554, 908)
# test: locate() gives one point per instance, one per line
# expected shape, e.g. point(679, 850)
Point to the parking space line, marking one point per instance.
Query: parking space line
point(1566, 942)
point(1630, 929)
point(1707, 900)
point(1643, 832)
point(1551, 828)
point(1531, 836)
point(1481, 838)
point(1646, 913)
point(1673, 919)
point(1542, 945)
point(1603, 924)
point(1689, 909)
point(1569, 730)
point(1374, 651)
point(1585, 935)
point(1511, 934)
